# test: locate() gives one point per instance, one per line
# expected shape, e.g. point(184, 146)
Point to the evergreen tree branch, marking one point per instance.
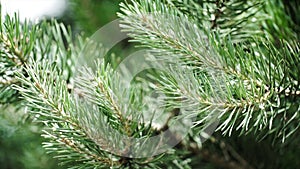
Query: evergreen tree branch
point(50, 97)
point(243, 86)
point(248, 84)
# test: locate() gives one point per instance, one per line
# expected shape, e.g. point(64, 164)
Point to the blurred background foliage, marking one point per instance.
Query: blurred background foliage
point(20, 141)
point(90, 15)
point(87, 16)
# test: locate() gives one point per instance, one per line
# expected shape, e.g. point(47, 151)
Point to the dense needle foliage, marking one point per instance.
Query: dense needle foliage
point(237, 64)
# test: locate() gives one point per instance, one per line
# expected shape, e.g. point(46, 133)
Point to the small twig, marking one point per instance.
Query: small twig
point(217, 14)
point(235, 161)
point(233, 152)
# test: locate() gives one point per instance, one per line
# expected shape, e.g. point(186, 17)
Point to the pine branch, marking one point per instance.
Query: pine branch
point(68, 123)
point(21, 43)
point(72, 128)
point(243, 88)
point(49, 95)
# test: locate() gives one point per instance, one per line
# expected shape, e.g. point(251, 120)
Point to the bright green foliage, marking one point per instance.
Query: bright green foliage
point(238, 63)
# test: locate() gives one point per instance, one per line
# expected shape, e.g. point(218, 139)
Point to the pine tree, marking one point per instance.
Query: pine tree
point(231, 65)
